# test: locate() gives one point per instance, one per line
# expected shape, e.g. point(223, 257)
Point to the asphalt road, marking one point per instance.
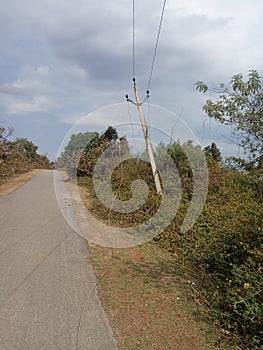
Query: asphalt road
point(46, 282)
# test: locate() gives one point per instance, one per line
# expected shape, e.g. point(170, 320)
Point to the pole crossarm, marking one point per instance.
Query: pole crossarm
point(138, 103)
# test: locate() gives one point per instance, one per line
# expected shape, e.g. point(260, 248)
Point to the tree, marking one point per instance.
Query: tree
point(5, 150)
point(78, 142)
point(27, 148)
point(5, 133)
point(214, 152)
point(240, 104)
point(110, 134)
point(94, 149)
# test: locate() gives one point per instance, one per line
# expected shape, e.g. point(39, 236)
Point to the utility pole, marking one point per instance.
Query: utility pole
point(147, 140)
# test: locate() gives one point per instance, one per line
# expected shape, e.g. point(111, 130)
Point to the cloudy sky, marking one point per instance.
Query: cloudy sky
point(60, 60)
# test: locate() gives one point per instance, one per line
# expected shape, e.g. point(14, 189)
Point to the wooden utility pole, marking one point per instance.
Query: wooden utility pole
point(147, 141)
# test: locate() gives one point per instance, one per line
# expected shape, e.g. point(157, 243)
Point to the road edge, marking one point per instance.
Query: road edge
point(17, 181)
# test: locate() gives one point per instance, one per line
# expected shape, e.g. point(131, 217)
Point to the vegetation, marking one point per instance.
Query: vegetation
point(69, 158)
point(18, 156)
point(224, 249)
point(240, 104)
point(150, 301)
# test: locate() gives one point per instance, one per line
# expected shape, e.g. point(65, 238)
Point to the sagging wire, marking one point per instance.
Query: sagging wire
point(148, 115)
point(137, 104)
point(111, 259)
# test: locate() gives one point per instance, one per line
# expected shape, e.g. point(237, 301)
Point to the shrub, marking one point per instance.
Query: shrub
point(225, 245)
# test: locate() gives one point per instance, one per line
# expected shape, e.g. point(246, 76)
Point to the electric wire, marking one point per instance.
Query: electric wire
point(152, 63)
point(156, 45)
point(133, 39)
point(148, 116)
point(111, 260)
point(133, 134)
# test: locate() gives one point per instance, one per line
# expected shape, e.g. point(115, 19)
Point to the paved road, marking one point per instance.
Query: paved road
point(45, 280)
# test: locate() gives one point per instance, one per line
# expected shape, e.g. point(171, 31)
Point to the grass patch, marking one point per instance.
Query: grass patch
point(150, 303)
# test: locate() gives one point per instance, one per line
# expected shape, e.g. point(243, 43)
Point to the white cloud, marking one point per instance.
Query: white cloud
point(38, 104)
point(69, 58)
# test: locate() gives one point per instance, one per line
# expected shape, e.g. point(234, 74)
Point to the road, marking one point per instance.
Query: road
point(46, 298)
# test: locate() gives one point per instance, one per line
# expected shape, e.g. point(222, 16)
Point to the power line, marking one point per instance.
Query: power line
point(139, 103)
point(133, 39)
point(156, 45)
point(133, 133)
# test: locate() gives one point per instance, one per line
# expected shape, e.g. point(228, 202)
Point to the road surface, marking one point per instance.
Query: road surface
point(46, 298)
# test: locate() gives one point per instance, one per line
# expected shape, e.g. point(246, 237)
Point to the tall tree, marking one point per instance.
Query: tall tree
point(214, 152)
point(240, 104)
point(94, 149)
point(78, 142)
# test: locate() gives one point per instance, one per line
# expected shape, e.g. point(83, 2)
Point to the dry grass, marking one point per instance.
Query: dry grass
point(16, 182)
point(150, 302)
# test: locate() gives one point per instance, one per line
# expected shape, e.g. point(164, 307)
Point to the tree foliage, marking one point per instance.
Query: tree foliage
point(81, 153)
point(240, 104)
point(97, 146)
point(214, 152)
point(18, 156)
point(78, 142)
point(224, 247)
point(27, 148)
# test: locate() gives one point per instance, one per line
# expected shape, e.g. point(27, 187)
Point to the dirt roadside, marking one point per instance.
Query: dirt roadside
point(16, 182)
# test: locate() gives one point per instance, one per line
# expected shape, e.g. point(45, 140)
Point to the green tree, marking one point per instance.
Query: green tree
point(214, 152)
point(110, 134)
point(94, 149)
point(240, 104)
point(27, 148)
point(78, 142)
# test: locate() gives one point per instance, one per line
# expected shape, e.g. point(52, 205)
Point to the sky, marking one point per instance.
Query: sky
point(64, 60)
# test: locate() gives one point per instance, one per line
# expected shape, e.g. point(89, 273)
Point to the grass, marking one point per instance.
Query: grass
point(148, 297)
point(149, 301)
